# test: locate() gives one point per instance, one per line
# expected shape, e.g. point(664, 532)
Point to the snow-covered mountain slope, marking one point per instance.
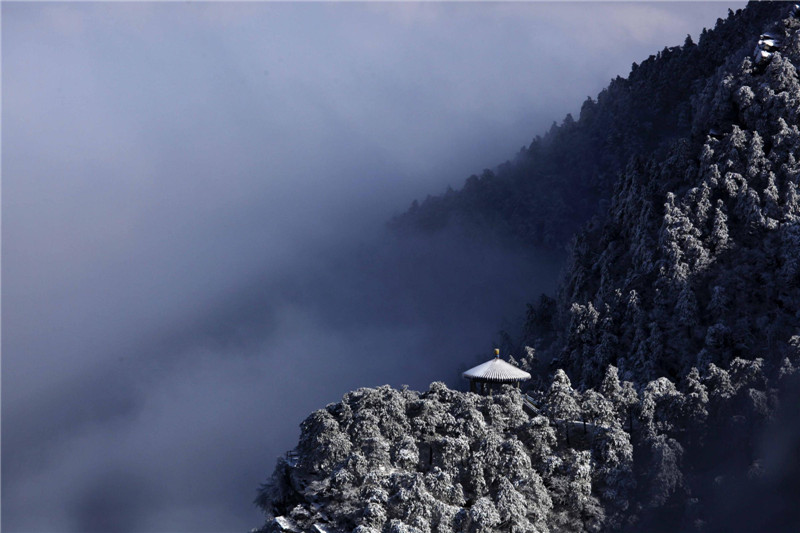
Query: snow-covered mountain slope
point(669, 361)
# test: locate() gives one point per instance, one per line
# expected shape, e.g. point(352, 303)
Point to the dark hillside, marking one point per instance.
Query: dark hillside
point(554, 186)
point(696, 261)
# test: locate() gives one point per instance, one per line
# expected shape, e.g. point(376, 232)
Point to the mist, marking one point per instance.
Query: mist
point(194, 255)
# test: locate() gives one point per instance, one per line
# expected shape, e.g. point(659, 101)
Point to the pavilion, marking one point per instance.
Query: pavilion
point(494, 371)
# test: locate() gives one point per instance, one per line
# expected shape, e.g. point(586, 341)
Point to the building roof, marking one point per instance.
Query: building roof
point(498, 371)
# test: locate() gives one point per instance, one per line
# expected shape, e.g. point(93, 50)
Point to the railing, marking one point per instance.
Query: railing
point(527, 402)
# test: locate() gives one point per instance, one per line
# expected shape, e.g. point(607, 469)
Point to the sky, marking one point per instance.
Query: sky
point(193, 247)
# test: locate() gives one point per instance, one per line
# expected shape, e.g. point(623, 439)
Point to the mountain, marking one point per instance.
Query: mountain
point(557, 183)
point(668, 364)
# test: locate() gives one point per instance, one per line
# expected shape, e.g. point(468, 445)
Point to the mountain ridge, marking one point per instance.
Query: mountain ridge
point(546, 194)
point(674, 336)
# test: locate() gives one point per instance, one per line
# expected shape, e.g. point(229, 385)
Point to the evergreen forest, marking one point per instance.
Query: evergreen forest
point(666, 368)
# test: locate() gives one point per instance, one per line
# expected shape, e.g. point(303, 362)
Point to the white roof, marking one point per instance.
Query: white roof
point(286, 524)
point(498, 371)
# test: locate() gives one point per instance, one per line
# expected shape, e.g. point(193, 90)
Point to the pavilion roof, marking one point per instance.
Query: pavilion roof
point(498, 371)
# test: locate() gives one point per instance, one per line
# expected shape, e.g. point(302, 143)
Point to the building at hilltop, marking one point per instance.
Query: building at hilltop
point(494, 371)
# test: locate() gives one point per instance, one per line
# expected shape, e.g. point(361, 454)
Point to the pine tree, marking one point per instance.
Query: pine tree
point(598, 411)
point(695, 403)
point(561, 403)
point(719, 233)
